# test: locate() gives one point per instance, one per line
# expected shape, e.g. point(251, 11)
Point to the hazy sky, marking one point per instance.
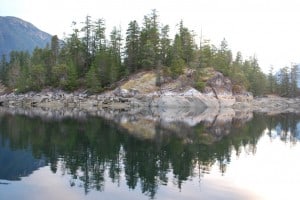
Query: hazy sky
point(270, 29)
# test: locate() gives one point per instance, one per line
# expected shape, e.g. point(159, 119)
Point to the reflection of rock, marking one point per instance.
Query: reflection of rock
point(142, 128)
point(276, 105)
point(143, 123)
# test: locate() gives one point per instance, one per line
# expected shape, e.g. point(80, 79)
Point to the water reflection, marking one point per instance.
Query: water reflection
point(16, 163)
point(94, 149)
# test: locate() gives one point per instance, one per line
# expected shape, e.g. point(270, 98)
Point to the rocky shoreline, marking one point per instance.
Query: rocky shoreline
point(142, 93)
point(124, 100)
point(141, 114)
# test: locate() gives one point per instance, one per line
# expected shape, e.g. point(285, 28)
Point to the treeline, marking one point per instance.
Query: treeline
point(88, 59)
point(284, 82)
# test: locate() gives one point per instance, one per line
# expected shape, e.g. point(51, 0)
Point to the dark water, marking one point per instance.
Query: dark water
point(94, 158)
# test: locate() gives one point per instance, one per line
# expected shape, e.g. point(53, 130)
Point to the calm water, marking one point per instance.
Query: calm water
point(94, 158)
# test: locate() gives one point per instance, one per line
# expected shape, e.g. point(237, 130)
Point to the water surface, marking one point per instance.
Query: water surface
point(95, 158)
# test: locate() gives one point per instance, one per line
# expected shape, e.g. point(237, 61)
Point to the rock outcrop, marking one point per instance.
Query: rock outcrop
point(220, 87)
point(142, 92)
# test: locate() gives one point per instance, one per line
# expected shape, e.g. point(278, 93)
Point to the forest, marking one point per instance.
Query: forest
point(90, 59)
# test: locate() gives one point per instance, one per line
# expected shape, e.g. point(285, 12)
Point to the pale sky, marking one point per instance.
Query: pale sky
point(269, 29)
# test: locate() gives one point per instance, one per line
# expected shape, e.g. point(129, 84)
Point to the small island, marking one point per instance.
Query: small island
point(146, 68)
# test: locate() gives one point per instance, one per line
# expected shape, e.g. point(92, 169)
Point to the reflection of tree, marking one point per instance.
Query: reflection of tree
point(285, 126)
point(95, 149)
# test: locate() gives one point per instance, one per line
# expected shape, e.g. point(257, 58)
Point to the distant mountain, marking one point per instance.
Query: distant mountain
point(17, 34)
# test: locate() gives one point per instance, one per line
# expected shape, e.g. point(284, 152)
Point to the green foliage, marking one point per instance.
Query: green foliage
point(200, 85)
point(65, 77)
point(132, 47)
point(223, 58)
point(37, 77)
point(149, 41)
point(71, 81)
point(60, 75)
point(187, 43)
point(176, 67)
point(87, 59)
point(207, 53)
point(256, 78)
point(92, 80)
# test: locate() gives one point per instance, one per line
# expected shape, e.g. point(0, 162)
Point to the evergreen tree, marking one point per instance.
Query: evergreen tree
point(149, 41)
point(18, 70)
point(99, 41)
point(3, 69)
point(87, 59)
point(59, 75)
point(177, 63)
point(72, 76)
point(187, 43)
point(257, 79)
point(132, 48)
point(207, 54)
point(271, 81)
point(55, 50)
point(223, 58)
point(102, 64)
point(294, 81)
point(87, 41)
point(115, 54)
point(36, 77)
point(237, 74)
point(165, 45)
point(92, 80)
point(284, 82)
point(75, 52)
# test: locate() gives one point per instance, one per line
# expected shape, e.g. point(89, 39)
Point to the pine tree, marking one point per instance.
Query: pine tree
point(187, 43)
point(36, 77)
point(76, 52)
point(177, 63)
point(115, 54)
point(3, 69)
point(92, 80)
point(149, 41)
point(132, 48)
point(271, 81)
point(284, 82)
point(59, 75)
point(165, 45)
point(99, 41)
point(223, 58)
point(207, 54)
point(71, 81)
point(293, 82)
point(55, 50)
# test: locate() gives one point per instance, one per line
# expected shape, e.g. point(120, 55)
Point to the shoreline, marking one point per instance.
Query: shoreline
point(190, 99)
point(140, 119)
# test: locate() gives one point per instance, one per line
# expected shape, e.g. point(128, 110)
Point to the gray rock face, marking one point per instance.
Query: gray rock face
point(189, 99)
point(221, 88)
